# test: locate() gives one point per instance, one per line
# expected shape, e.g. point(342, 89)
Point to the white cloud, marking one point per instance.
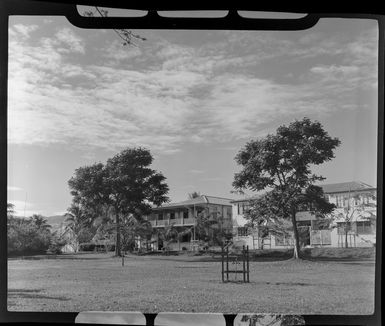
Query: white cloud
point(334, 70)
point(69, 41)
point(23, 30)
point(24, 208)
point(114, 51)
point(185, 95)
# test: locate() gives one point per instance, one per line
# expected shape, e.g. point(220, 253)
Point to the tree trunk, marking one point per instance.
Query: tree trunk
point(117, 242)
point(296, 236)
point(346, 237)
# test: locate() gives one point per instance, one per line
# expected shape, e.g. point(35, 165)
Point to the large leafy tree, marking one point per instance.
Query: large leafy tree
point(125, 185)
point(280, 163)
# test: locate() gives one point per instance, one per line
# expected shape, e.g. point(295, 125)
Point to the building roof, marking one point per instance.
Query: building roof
point(345, 187)
point(342, 187)
point(245, 199)
point(201, 200)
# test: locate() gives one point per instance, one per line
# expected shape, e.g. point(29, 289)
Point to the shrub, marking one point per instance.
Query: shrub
point(56, 246)
point(87, 246)
point(24, 237)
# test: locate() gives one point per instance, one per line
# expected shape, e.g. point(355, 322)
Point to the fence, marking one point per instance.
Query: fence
point(320, 237)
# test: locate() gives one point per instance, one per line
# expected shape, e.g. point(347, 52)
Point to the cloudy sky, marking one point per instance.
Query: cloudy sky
point(194, 98)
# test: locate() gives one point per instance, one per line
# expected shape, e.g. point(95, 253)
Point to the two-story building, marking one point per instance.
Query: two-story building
point(183, 217)
point(355, 213)
point(356, 206)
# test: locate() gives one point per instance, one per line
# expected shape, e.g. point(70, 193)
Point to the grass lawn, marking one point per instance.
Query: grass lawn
point(188, 283)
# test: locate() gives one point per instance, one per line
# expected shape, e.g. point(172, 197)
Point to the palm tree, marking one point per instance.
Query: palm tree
point(76, 220)
point(134, 229)
point(40, 222)
point(167, 235)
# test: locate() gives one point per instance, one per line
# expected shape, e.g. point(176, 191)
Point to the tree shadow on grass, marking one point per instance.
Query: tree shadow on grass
point(32, 294)
point(58, 257)
point(346, 260)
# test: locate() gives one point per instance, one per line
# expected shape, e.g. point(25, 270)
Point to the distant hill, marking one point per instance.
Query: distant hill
point(56, 221)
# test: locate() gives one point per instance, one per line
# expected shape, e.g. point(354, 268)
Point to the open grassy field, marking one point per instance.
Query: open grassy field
point(188, 283)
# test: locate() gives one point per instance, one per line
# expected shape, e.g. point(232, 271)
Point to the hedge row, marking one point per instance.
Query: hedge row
point(95, 247)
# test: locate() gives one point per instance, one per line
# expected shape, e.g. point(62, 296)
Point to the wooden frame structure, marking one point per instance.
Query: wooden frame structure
point(234, 259)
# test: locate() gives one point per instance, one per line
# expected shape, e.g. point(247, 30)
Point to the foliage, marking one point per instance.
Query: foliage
point(40, 222)
point(134, 229)
point(28, 236)
point(126, 35)
point(194, 194)
point(209, 228)
point(56, 244)
point(280, 164)
point(10, 210)
point(167, 235)
point(87, 246)
point(125, 186)
point(77, 228)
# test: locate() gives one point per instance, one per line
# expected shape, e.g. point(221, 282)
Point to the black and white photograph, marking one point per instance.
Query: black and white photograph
point(197, 171)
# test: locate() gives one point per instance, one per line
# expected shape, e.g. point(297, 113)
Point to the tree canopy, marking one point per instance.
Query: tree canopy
point(280, 164)
point(124, 187)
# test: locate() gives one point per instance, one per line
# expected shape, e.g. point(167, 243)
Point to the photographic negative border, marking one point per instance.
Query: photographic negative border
point(153, 21)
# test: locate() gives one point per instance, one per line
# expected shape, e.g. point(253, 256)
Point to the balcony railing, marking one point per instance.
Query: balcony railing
point(174, 221)
point(189, 220)
point(153, 222)
point(162, 223)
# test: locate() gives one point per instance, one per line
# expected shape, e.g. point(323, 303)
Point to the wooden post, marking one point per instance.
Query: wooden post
point(243, 263)
point(248, 269)
point(227, 263)
point(223, 257)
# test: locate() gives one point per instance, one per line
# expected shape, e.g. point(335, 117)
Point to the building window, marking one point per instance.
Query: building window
point(240, 208)
point(172, 215)
point(282, 240)
point(303, 223)
point(242, 231)
point(160, 217)
point(342, 227)
point(228, 212)
point(363, 227)
point(185, 214)
point(246, 207)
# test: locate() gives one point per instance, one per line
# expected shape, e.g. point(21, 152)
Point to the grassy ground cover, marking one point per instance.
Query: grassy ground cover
point(188, 283)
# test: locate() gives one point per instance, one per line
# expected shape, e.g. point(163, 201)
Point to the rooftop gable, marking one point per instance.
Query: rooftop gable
point(202, 199)
point(345, 187)
point(341, 187)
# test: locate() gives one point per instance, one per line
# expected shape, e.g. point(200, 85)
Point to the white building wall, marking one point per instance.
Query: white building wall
point(238, 219)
